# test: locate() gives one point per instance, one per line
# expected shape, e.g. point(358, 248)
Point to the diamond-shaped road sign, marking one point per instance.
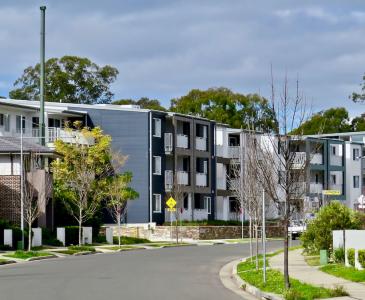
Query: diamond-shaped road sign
point(171, 202)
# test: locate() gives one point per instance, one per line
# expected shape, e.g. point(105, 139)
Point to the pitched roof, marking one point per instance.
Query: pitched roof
point(12, 145)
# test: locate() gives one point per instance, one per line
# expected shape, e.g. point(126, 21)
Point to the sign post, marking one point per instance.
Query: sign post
point(171, 203)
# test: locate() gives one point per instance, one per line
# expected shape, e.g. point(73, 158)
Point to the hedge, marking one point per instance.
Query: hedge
point(361, 257)
point(339, 255)
point(351, 256)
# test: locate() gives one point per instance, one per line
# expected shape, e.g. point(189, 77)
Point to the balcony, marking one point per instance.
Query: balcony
point(201, 143)
point(234, 184)
point(299, 160)
point(336, 160)
point(168, 142)
point(317, 159)
point(182, 177)
point(316, 188)
point(182, 141)
point(66, 135)
point(169, 180)
point(201, 179)
point(234, 151)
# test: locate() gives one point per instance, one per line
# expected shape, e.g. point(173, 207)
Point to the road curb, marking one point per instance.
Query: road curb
point(231, 280)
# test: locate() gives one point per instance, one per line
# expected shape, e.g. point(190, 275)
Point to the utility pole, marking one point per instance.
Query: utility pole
point(42, 126)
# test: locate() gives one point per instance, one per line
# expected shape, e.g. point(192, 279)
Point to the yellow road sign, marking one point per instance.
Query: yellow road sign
point(332, 192)
point(171, 202)
point(171, 209)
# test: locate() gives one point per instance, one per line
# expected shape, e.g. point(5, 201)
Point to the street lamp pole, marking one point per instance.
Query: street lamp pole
point(21, 182)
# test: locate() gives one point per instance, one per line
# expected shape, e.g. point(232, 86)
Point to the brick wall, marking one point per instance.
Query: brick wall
point(161, 233)
point(10, 198)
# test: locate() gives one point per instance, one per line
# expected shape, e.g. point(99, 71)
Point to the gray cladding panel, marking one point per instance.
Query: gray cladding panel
point(129, 132)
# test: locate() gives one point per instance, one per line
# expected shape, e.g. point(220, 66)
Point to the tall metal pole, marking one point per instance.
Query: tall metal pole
point(42, 126)
point(21, 182)
point(264, 235)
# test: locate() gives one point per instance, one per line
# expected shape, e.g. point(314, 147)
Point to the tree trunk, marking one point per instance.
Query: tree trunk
point(286, 254)
point(29, 236)
point(80, 237)
point(118, 229)
point(250, 234)
point(257, 245)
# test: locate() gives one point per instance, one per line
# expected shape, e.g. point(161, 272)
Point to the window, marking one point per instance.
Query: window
point(186, 202)
point(208, 204)
point(20, 124)
point(1, 119)
point(233, 206)
point(156, 127)
point(333, 179)
point(356, 180)
point(35, 122)
point(7, 122)
point(355, 154)
point(156, 203)
point(317, 178)
point(156, 165)
point(333, 150)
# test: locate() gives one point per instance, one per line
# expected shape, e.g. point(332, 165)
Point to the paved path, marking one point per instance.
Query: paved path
point(299, 269)
point(172, 273)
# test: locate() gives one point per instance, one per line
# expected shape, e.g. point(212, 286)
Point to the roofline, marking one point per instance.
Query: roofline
point(18, 105)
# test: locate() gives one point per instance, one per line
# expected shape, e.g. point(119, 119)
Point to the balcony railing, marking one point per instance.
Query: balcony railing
point(201, 143)
point(299, 160)
point(182, 141)
point(317, 159)
point(169, 180)
point(168, 142)
point(316, 188)
point(183, 177)
point(234, 151)
point(201, 179)
point(67, 135)
point(336, 160)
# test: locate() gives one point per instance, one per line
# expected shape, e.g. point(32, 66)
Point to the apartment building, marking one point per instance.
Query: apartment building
point(162, 148)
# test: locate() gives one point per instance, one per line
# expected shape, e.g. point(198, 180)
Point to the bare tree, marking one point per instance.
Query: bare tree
point(37, 190)
point(178, 195)
point(281, 167)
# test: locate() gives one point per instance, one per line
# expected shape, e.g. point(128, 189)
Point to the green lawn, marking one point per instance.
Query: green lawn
point(349, 273)
point(156, 245)
point(71, 250)
point(275, 283)
point(126, 240)
point(312, 260)
point(20, 254)
point(122, 248)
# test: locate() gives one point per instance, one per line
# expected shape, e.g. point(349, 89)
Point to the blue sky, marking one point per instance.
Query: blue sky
point(164, 48)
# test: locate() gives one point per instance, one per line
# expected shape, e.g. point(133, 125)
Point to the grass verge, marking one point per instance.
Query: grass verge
point(157, 245)
point(123, 248)
point(312, 261)
point(275, 283)
point(20, 254)
point(71, 250)
point(349, 273)
point(126, 240)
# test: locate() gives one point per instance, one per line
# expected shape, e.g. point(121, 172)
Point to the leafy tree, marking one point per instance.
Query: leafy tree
point(143, 102)
point(358, 124)
point(327, 121)
point(69, 79)
point(334, 216)
point(223, 105)
point(356, 97)
point(79, 174)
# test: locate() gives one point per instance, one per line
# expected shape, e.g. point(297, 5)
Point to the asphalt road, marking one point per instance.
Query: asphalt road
point(171, 273)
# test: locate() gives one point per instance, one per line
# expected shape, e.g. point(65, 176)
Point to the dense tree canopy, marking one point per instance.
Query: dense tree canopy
point(69, 79)
point(143, 102)
point(223, 105)
point(327, 121)
point(356, 97)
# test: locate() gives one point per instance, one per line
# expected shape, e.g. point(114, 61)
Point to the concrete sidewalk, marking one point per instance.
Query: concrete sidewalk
point(299, 269)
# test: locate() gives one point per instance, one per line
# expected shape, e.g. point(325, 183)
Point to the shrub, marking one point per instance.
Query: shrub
point(339, 291)
point(361, 257)
point(333, 216)
point(82, 248)
point(126, 240)
point(351, 256)
point(101, 239)
point(72, 235)
point(49, 238)
point(339, 255)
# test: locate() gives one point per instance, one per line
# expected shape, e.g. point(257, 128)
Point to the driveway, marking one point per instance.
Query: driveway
point(171, 273)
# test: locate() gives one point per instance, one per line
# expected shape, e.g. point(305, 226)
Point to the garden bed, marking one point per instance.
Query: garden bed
point(29, 255)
